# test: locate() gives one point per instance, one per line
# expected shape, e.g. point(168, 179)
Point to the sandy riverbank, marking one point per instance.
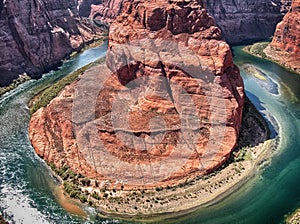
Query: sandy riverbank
point(263, 50)
point(293, 218)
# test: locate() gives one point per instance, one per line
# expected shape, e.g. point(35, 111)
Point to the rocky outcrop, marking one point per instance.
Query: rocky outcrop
point(84, 6)
point(240, 21)
point(37, 35)
point(285, 46)
point(247, 21)
point(293, 218)
point(105, 11)
point(167, 107)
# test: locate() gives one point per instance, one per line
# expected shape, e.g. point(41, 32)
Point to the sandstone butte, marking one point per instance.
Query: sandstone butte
point(169, 110)
point(285, 46)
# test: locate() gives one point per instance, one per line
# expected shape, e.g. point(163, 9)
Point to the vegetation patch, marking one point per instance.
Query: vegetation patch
point(44, 97)
point(73, 183)
point(257, 49)
point(22, 78)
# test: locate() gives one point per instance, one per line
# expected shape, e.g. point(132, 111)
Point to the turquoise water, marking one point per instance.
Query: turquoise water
point(275, 191)
point(25, 182)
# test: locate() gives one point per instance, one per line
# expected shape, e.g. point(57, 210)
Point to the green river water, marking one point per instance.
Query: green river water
point(26, 186)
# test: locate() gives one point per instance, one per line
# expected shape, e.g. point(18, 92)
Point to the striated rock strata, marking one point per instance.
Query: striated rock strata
point(84, 6)
point(167, 107)
point(244, 21)
point(106, 10)
point(240, 21)
point(285, 46)
point(37, 35)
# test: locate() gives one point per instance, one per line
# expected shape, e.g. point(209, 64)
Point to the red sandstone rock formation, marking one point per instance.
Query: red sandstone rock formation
point(37, 35)
point(285, 46)
point(106, 12)
point(169, 108)
point(240, 21)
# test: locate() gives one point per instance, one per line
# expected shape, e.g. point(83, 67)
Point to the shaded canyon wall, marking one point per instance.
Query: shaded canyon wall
point(37, 35)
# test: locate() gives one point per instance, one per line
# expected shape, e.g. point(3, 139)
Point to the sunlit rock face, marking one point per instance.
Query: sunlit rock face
point(240, 21)
point(167, 106)
point(285, 46)
point(37, 35)
point(105, 11)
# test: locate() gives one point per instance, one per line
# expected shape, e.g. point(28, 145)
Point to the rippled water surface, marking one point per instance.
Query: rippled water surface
point(26, 186)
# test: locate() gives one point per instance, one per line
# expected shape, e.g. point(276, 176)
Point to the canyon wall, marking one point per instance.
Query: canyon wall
point(37, 35)
point(240, 21)
point(285, 46)
point(84, 6)
point(243, 21)
point(105, 10)
point(166, 107)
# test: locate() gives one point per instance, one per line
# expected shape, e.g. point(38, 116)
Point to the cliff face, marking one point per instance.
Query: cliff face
point(36, 35)
point(170, 108)
point(251, 20)
point(285, 46)
point(84, 6)
point(105, 10)
point(240, 21)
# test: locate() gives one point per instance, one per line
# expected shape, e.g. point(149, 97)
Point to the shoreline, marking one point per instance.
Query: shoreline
point(262, 55)
point(215, 198)
point(293, 218)
point(260, 155)
point(70, 205)
point(43, 97)
point(16, 82)
point(24, 77)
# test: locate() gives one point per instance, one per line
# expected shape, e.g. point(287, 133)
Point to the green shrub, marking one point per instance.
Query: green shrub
point(85, 181)
point(44, 97)
point(68, 187)
point(74, 193)
point(105, 195)
point(258, 49)
point(82, 198)
point(96, 196)
point(159, 188)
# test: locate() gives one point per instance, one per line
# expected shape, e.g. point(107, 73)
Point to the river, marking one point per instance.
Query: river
point(26, 185)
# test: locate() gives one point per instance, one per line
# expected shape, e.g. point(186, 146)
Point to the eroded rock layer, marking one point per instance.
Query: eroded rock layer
point(106, 10)
point(241, 21)
point(285, 46)
point(36, 35)
point(167, 106)
point(244, 21)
